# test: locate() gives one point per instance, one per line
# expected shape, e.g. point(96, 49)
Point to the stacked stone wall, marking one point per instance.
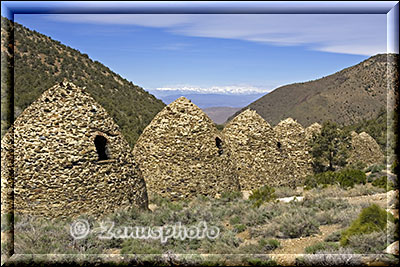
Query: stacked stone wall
point(50, 158)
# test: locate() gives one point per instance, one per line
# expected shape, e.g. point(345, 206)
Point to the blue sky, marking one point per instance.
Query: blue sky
point(211, 53)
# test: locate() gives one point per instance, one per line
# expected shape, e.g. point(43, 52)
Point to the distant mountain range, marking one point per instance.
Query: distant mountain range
point(204, 100)
point(220, 114)
point(40, 62)
point(346, 97)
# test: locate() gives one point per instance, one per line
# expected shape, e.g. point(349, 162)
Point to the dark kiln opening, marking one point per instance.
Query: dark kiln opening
point(101, 147)
point(218, 143)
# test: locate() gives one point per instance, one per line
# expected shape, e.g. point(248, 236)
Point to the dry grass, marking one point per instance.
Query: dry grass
point(244, 229)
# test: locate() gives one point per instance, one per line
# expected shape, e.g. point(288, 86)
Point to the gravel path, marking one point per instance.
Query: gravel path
point(293, 248)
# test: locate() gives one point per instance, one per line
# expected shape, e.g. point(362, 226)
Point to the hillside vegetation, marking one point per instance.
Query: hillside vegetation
point(346, 97)
point(40, 62)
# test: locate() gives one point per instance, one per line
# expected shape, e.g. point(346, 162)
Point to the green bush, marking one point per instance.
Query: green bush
point(261, 262)
point(220, 127)
point(371, 219)
point(375, 168)
point(323, 178)
point(240, 228)
point(313, 249)
point(370, 178)
point(382, 182)
point(262, 195)
point(345, 178)
point(349, 177)
point(234, 220)
point(395, 167)
point(358, 165)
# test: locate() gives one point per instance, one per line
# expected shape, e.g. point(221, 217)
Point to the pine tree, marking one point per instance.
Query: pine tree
point(330, 147)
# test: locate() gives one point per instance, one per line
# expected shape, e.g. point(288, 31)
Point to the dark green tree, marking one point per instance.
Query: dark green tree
point(330, 148)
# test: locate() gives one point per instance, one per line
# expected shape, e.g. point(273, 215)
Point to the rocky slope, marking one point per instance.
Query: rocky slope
point(348, 96)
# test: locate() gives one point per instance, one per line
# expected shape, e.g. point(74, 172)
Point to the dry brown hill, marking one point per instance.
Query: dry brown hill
point(348, 96)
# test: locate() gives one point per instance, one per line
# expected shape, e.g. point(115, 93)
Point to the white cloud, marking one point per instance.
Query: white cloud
point(174, 46)
point(338, 33)
point(230, 89)
point(147, 20)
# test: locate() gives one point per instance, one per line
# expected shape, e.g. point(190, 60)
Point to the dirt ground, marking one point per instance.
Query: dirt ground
point(292, 248)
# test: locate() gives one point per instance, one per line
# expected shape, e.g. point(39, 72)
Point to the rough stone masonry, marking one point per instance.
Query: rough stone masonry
point(294, 142)
point(65, 156)
point(182, 154)
point(260, 156)
point(365, 149)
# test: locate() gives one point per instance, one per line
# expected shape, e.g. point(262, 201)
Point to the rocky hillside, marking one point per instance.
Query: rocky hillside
point(40, 62)
point(348, 96)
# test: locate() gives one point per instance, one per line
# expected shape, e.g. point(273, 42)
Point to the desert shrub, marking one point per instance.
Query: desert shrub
point(333, 237)
point(260, 262)
point(7, 220)
point(220, 127)
point(362, 190)
point(335, 191)
point(328, 211)
point(234, 220)
point(229, 238)
point(255, 217)
point(37, 235)
point(262, 195)
point(272, 210)
point(229, 196)
point(211, 260)
point(138, 246)
point(370, 178)
point(349, 177)
point(375, 168)
point(326, 217)
point(373, 243)
point(240, 228)
point(175, 206)
point(285, 191)
point(357, 165)
point(345, 178)
point(269, 244)
point(371, 219)
point(347, 216)
point(297, 223)
point(329, 257)
point(323, 178)
point(313, 249)
point(269, 230)
point(157, 199)
point(325, 204)
point(382, 182)
point(395, 166)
